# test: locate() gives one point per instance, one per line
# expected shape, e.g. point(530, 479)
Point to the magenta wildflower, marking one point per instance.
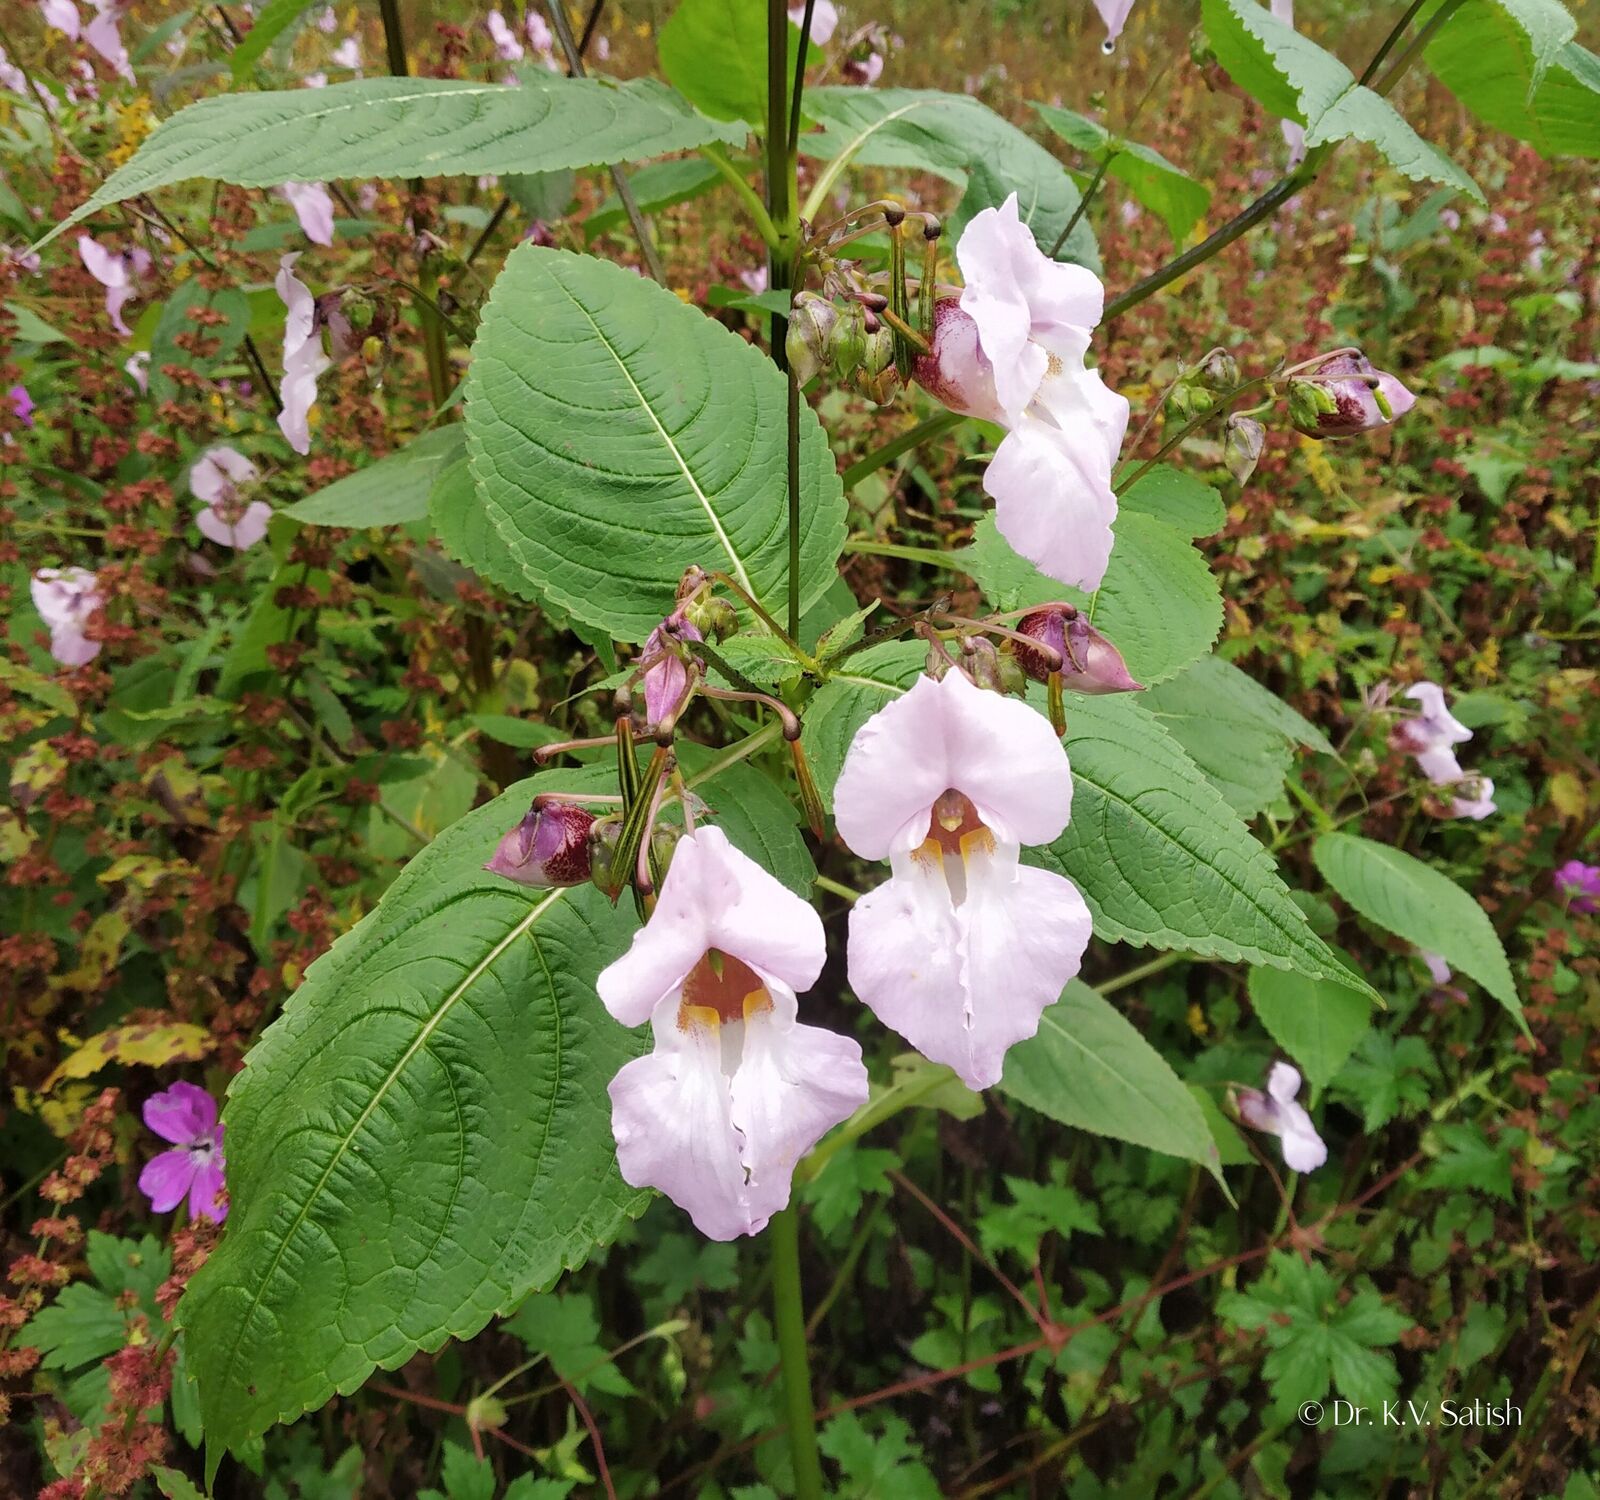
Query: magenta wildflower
point(21, 404)
point(1580, 884)
point(186, 1116)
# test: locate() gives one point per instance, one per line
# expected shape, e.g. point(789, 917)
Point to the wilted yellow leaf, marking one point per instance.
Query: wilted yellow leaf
point(152, 1046)
point(97, 953)
point(15, 838)
point(1567, 795)
point(35, 771)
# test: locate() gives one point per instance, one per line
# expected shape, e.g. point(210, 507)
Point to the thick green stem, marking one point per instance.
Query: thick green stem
point(789, 1321)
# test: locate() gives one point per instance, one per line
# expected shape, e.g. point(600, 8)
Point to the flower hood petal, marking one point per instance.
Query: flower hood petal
point(181, 1114)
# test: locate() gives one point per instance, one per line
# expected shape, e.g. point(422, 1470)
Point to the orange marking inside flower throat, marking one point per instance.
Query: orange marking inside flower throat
point(955, 831)
point(721, 988)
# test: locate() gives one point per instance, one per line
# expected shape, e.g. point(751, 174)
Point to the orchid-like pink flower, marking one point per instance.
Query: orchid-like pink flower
point(347, 54)
point(666, 675)
point(1011, 350)
point(114, 270)
point(303, 359)
point(549, 847)
point(824, 20)
point(736, 1090)
point(104, 34)
point(193, 1169)
point(226, 518)
point(1278, 1113)
point(1580, 884)
point(67, 599)
point(1429, 735)
point(62, 16)
point(1114, 13)
point(313, 207)
point(21, 404)
point(506, 46)
point(961, 950)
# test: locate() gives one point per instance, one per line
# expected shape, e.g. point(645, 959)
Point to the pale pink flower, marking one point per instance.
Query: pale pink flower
point(226, 518)
point(62, 16)
point(506, 46)
point(1114, 13)
point(13, 78)
point(1011, 351)
point(347, 54)
point(666, 673)
point(193, 1169)
point(736, 1090)
point(539, 35)
point(104, 35)
point(313, 207)
point(961, 950)
point(1429, 734)
point(863, 71)
point(1438, 969)
point(1474, 797)
point(137, 368)
point(1276, 1112)
point(824, 20)
point(754, 279)
point(318, 80)
point(1294, 134)
point(303, 359)
point(67, 599)
point(327, 20)
point(114, 270)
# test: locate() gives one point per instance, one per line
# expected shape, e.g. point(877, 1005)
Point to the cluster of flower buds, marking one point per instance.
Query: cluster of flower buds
point(1200, 388)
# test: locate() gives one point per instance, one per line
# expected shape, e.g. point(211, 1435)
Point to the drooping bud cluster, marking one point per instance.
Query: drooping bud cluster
point(1341, 395)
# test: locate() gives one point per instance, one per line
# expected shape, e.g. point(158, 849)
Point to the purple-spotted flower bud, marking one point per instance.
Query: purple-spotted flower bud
point(666, 673)
point(1343, 395)
point(1089, 663)
point(811, 323)
point(549, 847)
point(1242, 441)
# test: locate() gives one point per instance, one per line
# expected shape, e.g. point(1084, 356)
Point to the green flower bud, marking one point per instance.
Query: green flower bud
point(812, 321)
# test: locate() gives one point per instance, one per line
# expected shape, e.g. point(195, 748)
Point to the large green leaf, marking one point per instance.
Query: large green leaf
point(407, 127)
point(618, 437)
point(1316, 1021)
point(388, 492)
point(1237, 732)
point(421, 1138)
point(1414, 901)
point(1089, 1068)
point(1158, 603)
point(960, 140)
point(1161, 187)
point(714, 52)
point(1514, 64)
point(1289, 75)
point(1162, 860)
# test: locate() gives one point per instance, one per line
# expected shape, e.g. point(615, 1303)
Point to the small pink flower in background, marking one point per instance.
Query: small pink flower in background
point(1438, 969)
point(193, 1169)
point(327, 20)
point(602, 48)
point(347, 54)
point(1450, 219)
point(754, 279)
point(1429, 735)
point(863, 71)
point(114, 270)
point(666, 674)
point(226, 518)
point(137, 368)
point(1276, 1112)
point(62, 16)
point(963, 947)
point(1580, 884)
point(318, 80)
point(824, 20)
point(1294, 134)
point(1114, 13)
point(104, 35)
point(736, 1091)
point(1474, 798)
point(1011, 351)
point(23, 259)
point(506, 46)
point(542, 39)
point(303, 359)
point(21, 404)
point(67, 599)
point(313, 207)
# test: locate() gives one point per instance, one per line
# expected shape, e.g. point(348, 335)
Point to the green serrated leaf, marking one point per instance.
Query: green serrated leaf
point(393, 490)
point(1162, 860)
point(274, 18)
point(1176, 497)
point(420, 1139)
point(1316, 1021)
point(617, 437)
point(1088, 1067)
point(1291, 76)
point(714, 52)
point(1514, 64)
point(408, 127)
point(1414, 901)
point(960, 140)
